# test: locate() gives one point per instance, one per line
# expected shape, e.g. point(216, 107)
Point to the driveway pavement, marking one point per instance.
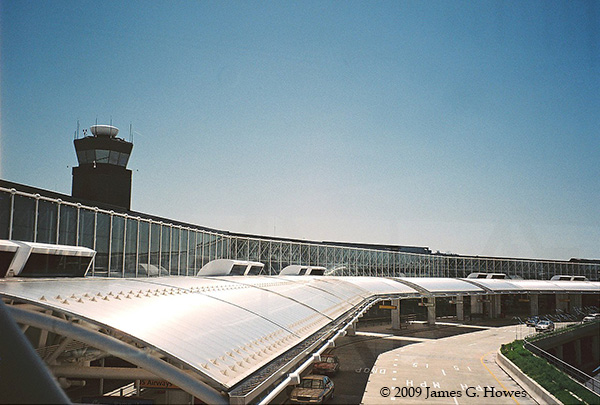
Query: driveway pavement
point(455, 370)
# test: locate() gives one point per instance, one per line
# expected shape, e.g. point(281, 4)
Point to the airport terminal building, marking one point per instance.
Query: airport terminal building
point(133, 244)
point(103, 293)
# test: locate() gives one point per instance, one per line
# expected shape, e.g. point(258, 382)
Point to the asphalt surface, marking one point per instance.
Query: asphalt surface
point(456, 370)
point(361, 360)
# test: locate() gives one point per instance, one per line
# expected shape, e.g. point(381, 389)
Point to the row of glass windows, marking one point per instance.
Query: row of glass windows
point(131, 246)
point(102, 156)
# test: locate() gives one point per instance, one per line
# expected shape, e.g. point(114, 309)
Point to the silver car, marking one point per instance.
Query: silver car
point(544, 326)
point(591, 318)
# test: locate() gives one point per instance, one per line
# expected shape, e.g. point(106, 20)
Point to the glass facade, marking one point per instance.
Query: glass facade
point(136, 246)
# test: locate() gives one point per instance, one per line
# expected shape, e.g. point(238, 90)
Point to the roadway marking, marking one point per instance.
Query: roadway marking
point(457, 325)
point(455, 401)
point(493, 375)
point(443, 372)
point(392, 337)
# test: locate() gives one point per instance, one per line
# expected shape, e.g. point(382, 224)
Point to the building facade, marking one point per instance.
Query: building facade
point(130, 244)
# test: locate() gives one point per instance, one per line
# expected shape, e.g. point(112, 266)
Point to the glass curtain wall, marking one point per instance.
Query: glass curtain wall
point(129, 246)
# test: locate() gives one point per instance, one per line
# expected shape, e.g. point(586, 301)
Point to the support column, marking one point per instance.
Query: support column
point(578, 353)
point(596, 348)
point(562, 302)
point(559, 351)
point(431, 310)
point(576, 301)
point(496, 305)
point(534, 304)
point(396, 314)
point(476, 305)
point(460, 309)
point(351, 331)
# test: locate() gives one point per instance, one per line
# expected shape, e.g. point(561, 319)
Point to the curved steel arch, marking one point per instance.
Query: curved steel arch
point(122, 350)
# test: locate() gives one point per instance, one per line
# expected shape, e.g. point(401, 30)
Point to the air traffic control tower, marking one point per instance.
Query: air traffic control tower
point(102, 175)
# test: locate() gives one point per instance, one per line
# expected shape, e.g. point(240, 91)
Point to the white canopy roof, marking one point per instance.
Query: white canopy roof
point(226, 328)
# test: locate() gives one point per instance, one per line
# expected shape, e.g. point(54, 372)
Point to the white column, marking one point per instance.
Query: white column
point(396, 314)
point(431, 310)
point(476, 305)
point(460, 309)
point(534, 305)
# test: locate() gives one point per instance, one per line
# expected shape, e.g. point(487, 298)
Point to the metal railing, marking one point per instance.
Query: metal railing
point(585, 380)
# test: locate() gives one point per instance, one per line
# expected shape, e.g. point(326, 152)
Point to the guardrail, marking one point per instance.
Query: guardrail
point(585, 380)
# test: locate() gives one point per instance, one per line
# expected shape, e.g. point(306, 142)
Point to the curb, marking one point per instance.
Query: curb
point(537, 392)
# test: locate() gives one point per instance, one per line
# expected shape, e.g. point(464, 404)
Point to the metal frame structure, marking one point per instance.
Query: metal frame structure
point(124, 242)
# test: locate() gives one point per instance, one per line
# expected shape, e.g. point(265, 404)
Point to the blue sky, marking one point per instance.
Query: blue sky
point(468, 127)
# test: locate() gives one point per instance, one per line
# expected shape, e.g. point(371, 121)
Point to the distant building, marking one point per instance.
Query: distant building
point(102, 175)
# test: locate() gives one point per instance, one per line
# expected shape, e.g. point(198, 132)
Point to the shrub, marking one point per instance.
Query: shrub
point(548, 376)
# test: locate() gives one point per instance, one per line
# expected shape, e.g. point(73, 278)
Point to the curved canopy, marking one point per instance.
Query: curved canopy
point(226, 328)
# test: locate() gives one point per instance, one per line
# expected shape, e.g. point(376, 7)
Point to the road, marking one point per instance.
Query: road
point(454, 370)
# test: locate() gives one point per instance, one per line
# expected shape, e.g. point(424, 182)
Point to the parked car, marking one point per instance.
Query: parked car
point(313, 389)
point(544, 326)
point(591, 318)
point(329, 365)
point(532, 321)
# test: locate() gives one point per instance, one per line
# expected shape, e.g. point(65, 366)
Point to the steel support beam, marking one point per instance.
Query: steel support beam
point(124, 351)
point(113, 373)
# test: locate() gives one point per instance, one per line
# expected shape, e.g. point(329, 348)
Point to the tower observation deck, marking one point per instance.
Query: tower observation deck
point(102, 175)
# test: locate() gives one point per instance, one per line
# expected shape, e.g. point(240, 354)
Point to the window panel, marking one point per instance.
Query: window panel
point(285, 254)
point(102, 241)
point(86, 228)
point(123, 158)
point(4, 214)
point(183, 252)
point(165, 248)
point(23, 219)
point(131, 247)
point(201, 238)
point(67, 233)
point(116, 247)
point(174, 262)
point(143, 245)
point(102, 156)
point(191, 266)
point(46, 224)
point(113, 157)
point(155, 246)
point(253, 246)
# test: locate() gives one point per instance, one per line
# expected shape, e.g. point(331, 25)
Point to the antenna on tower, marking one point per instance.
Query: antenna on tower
point(130, 132)
point(77, 132)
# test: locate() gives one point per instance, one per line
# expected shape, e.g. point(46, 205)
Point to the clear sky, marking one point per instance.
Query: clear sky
point(467, 127)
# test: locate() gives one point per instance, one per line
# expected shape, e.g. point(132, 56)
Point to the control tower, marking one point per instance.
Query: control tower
point(102, 175)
